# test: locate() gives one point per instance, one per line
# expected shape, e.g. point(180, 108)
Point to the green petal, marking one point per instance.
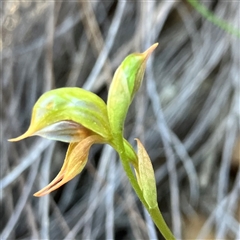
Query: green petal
point(67, 105)
point(126, 82)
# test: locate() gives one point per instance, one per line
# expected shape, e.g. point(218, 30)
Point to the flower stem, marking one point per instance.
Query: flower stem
point(155, 213)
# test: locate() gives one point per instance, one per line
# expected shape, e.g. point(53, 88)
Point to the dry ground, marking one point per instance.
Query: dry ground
point(187, 114)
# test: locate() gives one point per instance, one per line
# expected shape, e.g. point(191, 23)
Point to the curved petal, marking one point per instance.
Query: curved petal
point(69, 105)
point(75, 160)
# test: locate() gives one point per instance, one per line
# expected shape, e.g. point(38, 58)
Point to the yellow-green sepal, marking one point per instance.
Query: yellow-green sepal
point(126, 82)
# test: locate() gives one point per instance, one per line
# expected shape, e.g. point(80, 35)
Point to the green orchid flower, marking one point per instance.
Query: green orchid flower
point(82, 119)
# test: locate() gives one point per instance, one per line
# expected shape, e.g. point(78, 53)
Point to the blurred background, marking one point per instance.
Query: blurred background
point(186, 114)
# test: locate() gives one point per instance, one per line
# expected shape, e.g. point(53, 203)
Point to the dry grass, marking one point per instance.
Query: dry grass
point(187, 113)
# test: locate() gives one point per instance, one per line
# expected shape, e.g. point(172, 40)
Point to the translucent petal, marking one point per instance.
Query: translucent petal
point(65, 131)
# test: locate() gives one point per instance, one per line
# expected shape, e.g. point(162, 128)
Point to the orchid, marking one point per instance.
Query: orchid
point(82, 119)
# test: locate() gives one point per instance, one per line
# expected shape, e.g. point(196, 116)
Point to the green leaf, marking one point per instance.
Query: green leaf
point(146, 178)
point(126, 82)
point(67, 108)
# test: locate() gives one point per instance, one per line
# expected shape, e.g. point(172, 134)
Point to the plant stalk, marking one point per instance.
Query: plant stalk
point(155, 213)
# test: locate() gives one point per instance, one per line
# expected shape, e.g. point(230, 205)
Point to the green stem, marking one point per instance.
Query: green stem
point(154, 212)
point(158, 219)
point(214, 19)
